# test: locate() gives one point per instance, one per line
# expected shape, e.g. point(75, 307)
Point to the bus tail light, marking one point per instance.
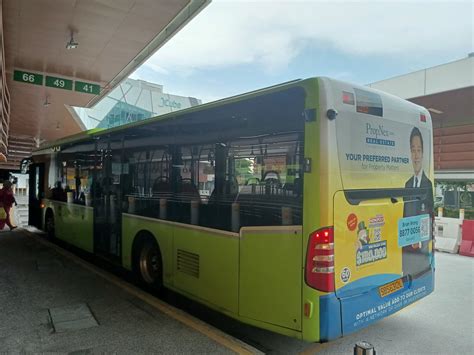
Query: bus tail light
point(319, 272)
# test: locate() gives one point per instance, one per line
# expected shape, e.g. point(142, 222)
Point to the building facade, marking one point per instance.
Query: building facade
point(131, 101)
point(447, 91)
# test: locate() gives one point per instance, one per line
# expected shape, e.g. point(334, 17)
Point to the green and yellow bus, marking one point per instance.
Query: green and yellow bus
point(304, 208)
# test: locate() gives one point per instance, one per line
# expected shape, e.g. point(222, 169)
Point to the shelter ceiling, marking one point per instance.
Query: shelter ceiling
point(114, 36)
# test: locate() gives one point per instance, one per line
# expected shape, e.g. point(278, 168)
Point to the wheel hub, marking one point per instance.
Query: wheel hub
point(149, 265)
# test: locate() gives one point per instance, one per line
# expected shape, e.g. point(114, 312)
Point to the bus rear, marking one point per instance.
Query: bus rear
point(376, 255)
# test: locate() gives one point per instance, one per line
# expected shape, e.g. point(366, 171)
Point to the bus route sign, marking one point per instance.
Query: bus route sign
point(27, 77)
point(87, 88)
point(58, 83)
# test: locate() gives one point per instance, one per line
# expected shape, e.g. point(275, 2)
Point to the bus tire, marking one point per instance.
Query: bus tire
point(49, 226)
point(148, 265)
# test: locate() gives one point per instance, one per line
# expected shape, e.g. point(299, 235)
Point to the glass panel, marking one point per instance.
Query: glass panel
point(267, 173)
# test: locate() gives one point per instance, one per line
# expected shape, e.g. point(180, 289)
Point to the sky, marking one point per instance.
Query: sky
point(232, 47)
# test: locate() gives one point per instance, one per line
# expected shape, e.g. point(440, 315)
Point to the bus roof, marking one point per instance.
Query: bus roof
point(86, 135)
point(97, 132)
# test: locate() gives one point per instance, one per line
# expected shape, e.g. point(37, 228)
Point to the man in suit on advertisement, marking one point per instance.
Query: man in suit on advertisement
point(415, 257)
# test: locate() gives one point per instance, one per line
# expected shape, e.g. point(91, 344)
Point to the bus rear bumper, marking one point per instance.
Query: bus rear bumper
point(342, 316)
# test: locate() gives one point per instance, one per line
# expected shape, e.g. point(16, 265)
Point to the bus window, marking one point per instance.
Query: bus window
point(147, 174)
point(64, 173)
point(187, 174)
point(159, 172)
point(84, 176)
point(206, 172)
point(268, 173)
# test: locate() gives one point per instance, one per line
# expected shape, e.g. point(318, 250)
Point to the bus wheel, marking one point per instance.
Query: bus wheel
point(49, 225)
point(149, 264)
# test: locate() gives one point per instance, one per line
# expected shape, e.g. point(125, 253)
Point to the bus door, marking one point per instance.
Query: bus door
point(107, 200)
point(36, 193)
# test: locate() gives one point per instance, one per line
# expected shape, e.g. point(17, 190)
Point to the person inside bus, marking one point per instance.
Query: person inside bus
point(57, 192)
point(81, 197)
point(79, 194)
point(415, 256)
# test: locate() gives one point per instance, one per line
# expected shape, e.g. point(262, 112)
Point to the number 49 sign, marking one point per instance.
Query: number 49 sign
point(58, 83)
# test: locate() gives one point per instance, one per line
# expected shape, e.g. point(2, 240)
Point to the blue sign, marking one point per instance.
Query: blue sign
point(412, 230)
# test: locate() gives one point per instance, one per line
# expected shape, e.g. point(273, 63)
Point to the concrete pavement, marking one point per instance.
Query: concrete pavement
point(37, 284)
point(51, 304)
point(441, 323)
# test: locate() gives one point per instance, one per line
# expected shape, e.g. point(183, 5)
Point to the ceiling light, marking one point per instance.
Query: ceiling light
point(71, 44)
point(438, 112)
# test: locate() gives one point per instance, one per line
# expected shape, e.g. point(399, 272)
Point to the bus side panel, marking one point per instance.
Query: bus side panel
point(163, 233)
point(73, 224)
point(60, 226)
point(83, 224)
point(270, 275)
point(206, 264)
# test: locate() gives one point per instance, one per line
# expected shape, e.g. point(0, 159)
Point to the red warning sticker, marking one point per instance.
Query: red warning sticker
point(352, 221)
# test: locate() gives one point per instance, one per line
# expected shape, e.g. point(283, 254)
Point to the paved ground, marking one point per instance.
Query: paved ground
point(45, 298)
point(35, 282)
point(442, 323)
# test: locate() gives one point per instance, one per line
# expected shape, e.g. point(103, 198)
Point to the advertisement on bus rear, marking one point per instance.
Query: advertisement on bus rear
point(382, 218)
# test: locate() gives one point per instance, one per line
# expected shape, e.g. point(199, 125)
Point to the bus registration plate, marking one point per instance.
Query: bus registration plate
point(390, 288)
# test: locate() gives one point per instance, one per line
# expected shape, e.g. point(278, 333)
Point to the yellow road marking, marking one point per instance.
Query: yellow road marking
point(219, 337)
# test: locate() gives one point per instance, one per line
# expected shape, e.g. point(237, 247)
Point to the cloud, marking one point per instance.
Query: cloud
point(271, 34)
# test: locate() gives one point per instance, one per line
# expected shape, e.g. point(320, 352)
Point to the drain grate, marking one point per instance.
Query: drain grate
point(73, 317)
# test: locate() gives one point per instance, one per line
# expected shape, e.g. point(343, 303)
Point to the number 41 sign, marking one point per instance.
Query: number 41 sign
point(87, 88)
